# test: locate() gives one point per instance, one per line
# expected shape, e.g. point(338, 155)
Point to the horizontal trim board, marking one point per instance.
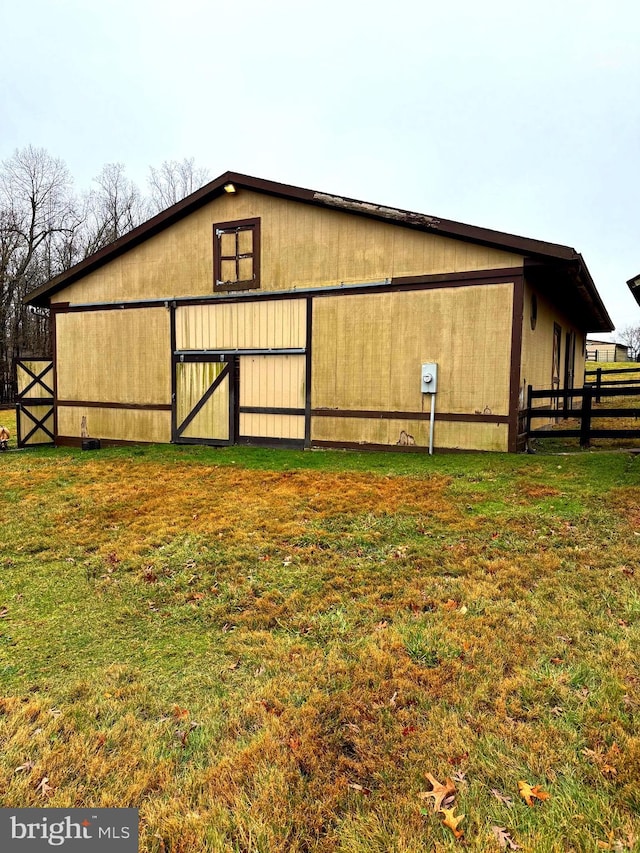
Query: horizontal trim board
point(414, 416)
point(208, 442)
point(34, 401)
point(497, 275)
point(581, 392)
point(207, 354)
point(92, 404)
point(354, 445)
point(425, 282)
point(265, 441)
point(389, 448)
point(593, 433)
point(39, 444)
point(67, 308)
point(74, 441)
point(577, 413)
point(269, 410)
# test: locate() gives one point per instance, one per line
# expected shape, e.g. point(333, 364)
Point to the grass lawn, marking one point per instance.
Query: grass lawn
point(269, 650)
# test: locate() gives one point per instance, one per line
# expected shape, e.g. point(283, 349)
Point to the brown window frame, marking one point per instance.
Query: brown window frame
point(220, 228)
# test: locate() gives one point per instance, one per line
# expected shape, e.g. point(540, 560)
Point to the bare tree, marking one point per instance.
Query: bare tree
point(630, 336)
point(45, 229)
point(37, 214)
point(173, 181)
point(112, 209)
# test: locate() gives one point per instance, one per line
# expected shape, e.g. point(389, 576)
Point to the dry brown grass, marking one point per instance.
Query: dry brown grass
point(267, 660)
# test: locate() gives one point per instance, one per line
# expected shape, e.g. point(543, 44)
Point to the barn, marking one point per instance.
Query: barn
point(254, 312)
point(606, 351)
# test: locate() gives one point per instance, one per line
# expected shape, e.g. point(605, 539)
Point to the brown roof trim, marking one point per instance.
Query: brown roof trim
point(405, 218)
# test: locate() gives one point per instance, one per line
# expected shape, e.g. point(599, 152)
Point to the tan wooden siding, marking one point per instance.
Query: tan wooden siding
point(368, 350)
point(114, 356)
point(272, 426)
point(537, 347)
point(120, 424)
point(451, 435)
point(272, 381)
point(242, 325)
point(302, 246)
point(192, 383)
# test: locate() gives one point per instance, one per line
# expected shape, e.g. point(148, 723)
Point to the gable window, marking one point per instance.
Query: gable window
point(236, 255)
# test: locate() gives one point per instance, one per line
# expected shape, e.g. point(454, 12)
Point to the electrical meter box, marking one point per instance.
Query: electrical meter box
point(429, 378)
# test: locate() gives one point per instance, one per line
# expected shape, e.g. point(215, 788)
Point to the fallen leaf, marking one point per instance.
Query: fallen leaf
point(504, 838)
point(360, 788)
point(294, 743)
point(528, 793)
point(408, 730)
point(457, 759)
point(26, 767)
point(451, 821)
point(507, 801)
point(438, 791)
point(451, 604)
point(180, 713)
point(4, 612)
point(44, 787)
point(556, 661)
point(608, 770)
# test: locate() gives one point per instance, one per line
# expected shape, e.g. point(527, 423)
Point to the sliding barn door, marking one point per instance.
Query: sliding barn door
point(272, 398)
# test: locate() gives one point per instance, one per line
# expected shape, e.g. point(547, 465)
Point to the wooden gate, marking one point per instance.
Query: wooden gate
point(205, 400)
point(35, 405)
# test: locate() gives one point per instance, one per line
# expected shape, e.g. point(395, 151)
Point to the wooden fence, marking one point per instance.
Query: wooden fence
point(562, 406)
point(596, 381)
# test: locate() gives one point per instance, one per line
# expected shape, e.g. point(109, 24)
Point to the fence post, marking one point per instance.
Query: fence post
point(598, 383)
point(585, 417)
point(527, 418)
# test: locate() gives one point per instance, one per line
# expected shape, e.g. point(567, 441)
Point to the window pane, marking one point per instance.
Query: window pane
point(246, 269)
point(245, 241)
point(228, 271)
point(228, 245)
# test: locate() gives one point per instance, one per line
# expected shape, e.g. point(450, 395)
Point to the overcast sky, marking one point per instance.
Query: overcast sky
point(523, 117)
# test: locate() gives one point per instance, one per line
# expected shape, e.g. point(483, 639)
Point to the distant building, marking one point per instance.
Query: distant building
point(607, 351)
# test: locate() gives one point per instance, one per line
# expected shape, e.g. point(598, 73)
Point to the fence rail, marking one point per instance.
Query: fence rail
point(600, 383)
point(585, 414)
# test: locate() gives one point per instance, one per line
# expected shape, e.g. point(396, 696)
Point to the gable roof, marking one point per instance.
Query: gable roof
point(535, 250)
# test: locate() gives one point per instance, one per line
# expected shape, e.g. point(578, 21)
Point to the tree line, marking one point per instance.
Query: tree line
point(46, 227)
